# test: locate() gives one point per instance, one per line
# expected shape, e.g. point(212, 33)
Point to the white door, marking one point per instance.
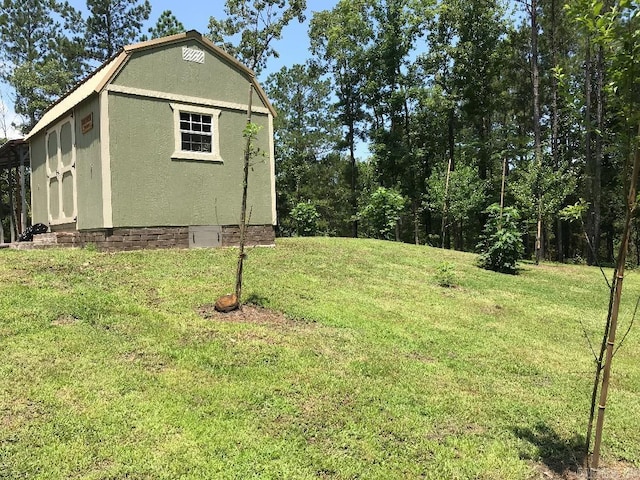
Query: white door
point(61, 173)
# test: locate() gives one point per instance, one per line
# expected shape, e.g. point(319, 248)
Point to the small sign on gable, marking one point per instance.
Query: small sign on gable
point(86, 123)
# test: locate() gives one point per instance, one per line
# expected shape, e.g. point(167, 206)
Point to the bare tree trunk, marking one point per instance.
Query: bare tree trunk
point(445, 204)
point(612, 322)
point(596, 199)
point(535, 76)
point(504, 177)
point(416, 223)
point(590, 223)
point(555, 120)
point(354, 176)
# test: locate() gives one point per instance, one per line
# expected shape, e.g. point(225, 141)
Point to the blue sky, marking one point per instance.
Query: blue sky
point(194, 15)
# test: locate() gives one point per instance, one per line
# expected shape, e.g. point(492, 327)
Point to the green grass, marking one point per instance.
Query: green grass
point(108, 371)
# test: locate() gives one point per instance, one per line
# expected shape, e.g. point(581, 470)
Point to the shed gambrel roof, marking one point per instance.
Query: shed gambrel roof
point(101, 77)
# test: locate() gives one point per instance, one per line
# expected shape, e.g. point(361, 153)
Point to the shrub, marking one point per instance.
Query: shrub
point(305, 219)
point(382, 213)
point(446, 275)
point(501, 242)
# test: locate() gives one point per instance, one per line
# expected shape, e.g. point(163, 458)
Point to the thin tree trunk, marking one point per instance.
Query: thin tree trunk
point(613, 321)
point(416, 223)
point(591, 253)
point(354, 180)
point(243, 210)
point(596, 200)
point(535, 76)
point(445, 204)
point(555, 120)
point(504, 176)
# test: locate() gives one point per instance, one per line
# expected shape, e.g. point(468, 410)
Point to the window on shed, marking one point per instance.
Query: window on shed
point(196, 133)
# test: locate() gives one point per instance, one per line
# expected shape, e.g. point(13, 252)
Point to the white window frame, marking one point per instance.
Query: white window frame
point(178, 153)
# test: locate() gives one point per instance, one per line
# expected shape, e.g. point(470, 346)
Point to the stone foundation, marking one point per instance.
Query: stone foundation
point(256, 235)
point(118, 239)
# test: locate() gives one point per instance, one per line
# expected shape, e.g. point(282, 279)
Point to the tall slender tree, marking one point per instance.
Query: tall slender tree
point(258, 23)
point(112, 24)
point(305, 134)
point(166, 25)
point(397, 26)
point(261, 22)
point(42, 53)
point(339, 42)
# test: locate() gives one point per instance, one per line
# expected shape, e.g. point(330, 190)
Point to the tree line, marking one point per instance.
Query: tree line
point(48, 46)
point(532, 105)
point(462, 104)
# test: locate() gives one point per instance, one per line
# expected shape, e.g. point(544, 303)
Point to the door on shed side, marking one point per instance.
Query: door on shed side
point(61, 173)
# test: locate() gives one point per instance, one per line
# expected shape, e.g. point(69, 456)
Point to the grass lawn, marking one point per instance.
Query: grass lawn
point(108, 370)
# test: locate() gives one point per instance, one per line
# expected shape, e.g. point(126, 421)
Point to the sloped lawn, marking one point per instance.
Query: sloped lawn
point(352, 362)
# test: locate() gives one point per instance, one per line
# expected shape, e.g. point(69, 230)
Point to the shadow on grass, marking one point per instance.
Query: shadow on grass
point(557, 453)
point(257, 300)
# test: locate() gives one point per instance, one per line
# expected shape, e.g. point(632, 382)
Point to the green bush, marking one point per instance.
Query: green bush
point(501, 242)
point(305, 219)
point(382, 213)
point(446, 275)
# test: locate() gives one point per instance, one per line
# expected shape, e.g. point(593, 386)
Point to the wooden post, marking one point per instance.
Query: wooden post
point(23, 189)
point(12, 208)
point(1, 226)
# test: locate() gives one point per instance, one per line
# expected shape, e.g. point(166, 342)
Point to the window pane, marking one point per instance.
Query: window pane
point(196, 132)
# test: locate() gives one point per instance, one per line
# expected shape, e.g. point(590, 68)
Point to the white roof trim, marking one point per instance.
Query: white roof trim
point(104, 74)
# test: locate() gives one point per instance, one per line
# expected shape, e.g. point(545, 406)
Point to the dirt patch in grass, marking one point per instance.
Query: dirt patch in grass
point(150, 362)
point(248, 314)
point(64, 320)
point(617, 471)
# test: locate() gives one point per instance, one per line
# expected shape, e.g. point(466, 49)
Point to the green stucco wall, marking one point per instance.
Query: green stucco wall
point(148, 187)
point(163, 69)
point(88, 172)
point(89, 166)
point(151, 189)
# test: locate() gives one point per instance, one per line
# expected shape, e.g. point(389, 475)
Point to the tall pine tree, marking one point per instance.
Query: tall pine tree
point(42, 53)
point(112, 24)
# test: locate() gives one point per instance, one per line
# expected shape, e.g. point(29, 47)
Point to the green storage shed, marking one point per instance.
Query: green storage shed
point(148, 152)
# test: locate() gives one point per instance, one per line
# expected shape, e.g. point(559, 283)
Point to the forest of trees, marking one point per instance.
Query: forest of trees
point(449, 96)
